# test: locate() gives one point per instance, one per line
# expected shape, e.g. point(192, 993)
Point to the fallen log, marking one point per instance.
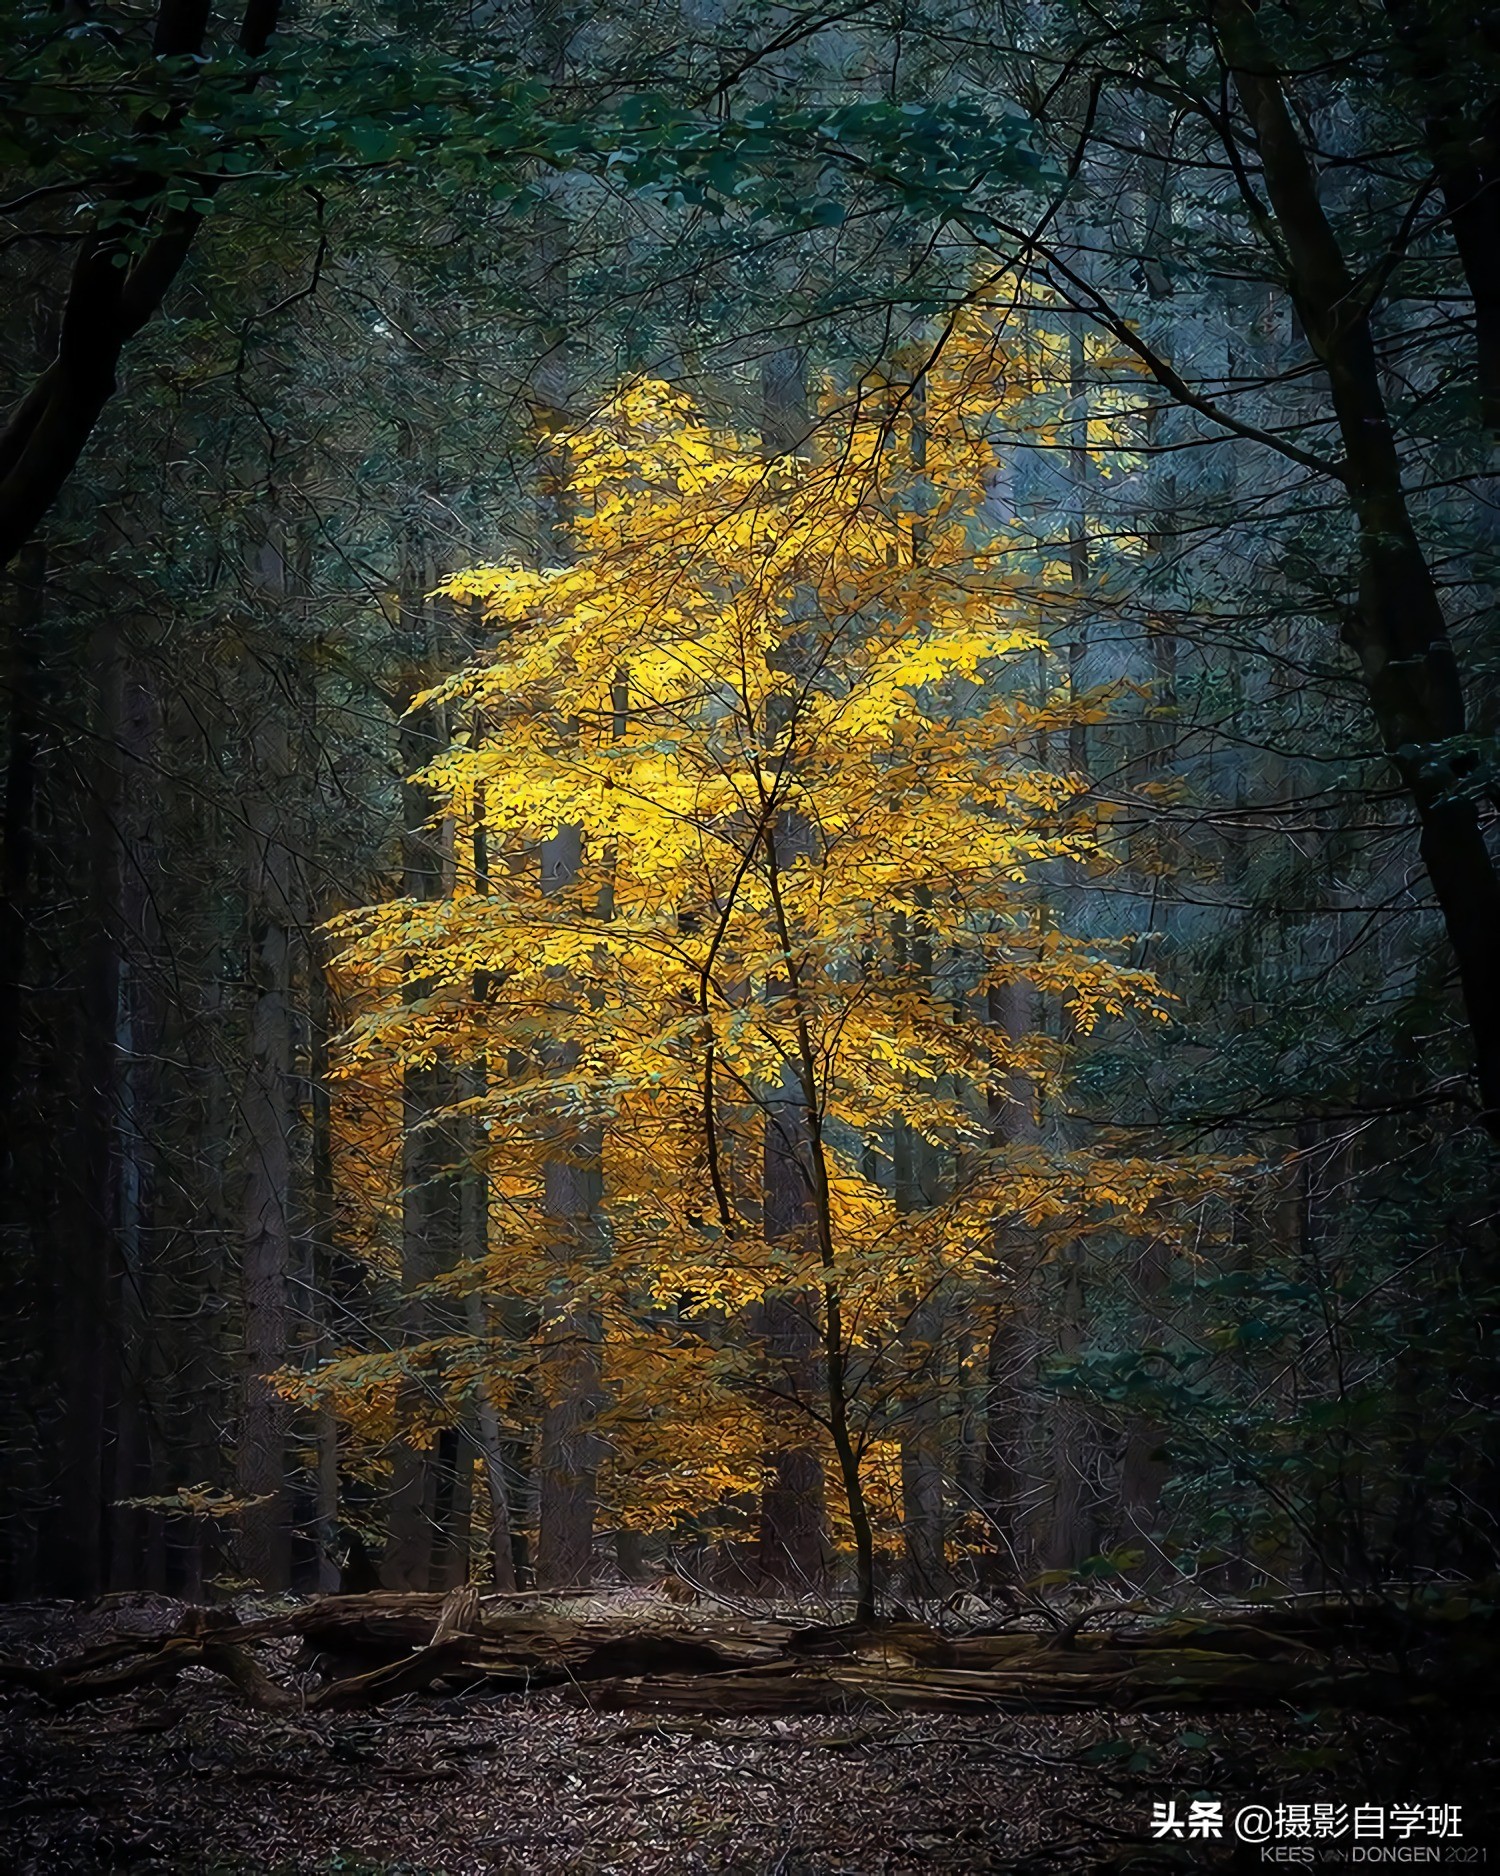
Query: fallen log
point(67, 1684)
point(403, 1644)
point(1173, 1686)
point(531, 1648)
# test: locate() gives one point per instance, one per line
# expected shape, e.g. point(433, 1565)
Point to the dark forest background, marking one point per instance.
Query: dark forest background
point(293, 307)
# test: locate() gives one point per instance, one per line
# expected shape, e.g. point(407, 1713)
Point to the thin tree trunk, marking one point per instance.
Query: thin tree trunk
point(1078, 542)
point(1010, 1354)
point(923, 1498)
point(321, 1263)
point(915, 1173)
point(432, 1150)
point(484, 1422)
point(1143, 1470)
point(570, 1357)
point(916, 1178)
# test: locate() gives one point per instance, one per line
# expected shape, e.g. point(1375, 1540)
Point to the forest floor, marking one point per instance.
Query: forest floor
point(189, 1779)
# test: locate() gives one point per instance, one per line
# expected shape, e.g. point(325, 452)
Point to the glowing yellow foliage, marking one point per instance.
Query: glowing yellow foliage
point(788, 709)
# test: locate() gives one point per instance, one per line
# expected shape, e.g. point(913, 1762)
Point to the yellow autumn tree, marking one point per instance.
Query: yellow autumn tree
point(785, 714)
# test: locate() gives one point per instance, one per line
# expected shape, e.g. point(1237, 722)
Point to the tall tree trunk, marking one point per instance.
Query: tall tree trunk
point(87, 1280)
point(570, 1357)
point(1081, 477)
point(136, 1551)
point(321, 1258)
point(1066, 1537)
point(1143, 1470)
point(18, 832)
point(484, 1423)
point(429, 1192)
point(1397, 629)
point(569, 1333)
point(269, 1107)
point(916, 1179)
point(20, 1120)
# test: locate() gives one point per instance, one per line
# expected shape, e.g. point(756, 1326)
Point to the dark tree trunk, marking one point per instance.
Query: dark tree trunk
point(1010, 1355)
point(570, 1332)
point(569, 1366)
point(917, 1178)
point(136, 1539)
point(18, 832)
point(924, 1521)
point(1066, 1532)
point(328, 1272)
point(429, 1196)
point(1143, 1470)
point(793, 1505)
point(21, 1123)
point(1397, 629)
point(85, 1282)
point(269, 1110)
